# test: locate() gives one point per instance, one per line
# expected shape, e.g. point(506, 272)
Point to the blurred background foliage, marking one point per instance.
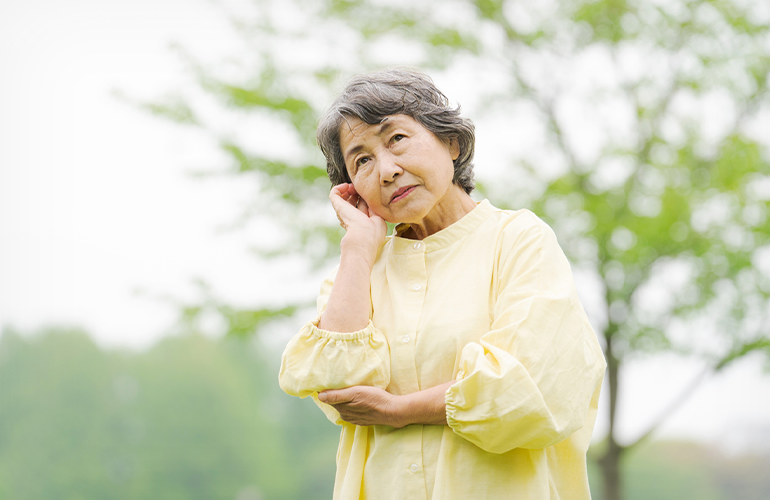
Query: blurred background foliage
point(191, 418)
point(637, 129)
point(196, 418)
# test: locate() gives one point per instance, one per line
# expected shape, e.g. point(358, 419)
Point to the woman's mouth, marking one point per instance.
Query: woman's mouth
point(401, 193)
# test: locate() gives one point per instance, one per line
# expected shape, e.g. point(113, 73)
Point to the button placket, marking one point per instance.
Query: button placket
point(408, 305)
point(417, 245)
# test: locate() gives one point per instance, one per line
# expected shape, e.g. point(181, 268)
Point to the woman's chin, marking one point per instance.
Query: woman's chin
point(386, 217)
point(391, 220)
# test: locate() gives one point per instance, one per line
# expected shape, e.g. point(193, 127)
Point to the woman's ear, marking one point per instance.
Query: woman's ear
point(454, 148)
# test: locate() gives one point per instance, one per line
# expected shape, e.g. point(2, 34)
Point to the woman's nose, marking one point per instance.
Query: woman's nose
point(389, 170)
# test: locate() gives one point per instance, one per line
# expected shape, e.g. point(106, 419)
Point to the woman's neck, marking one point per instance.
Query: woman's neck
point(456, 206)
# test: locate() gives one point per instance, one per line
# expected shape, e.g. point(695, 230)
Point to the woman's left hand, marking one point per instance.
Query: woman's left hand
point(364, 405)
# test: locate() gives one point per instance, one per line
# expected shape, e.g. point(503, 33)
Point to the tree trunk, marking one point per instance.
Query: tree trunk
point(610, 467)
point(609, 463)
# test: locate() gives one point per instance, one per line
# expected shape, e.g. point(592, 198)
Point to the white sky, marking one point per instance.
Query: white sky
point(95, 202)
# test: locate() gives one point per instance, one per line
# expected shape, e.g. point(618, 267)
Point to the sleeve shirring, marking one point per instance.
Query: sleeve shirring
point(326, 334)
point(450, 409)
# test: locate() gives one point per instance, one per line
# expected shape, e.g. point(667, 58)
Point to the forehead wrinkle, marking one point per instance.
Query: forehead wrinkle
point(352, 133)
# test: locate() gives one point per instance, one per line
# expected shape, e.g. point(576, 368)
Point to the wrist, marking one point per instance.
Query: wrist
point(399, 411)
point(425, 407)
point(356, 249)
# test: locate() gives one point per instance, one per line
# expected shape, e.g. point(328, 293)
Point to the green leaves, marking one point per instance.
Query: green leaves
point(739, 157)
point(235, 321)
point(605, 18)
point(246, 322)
point(173, 109)
point(490, 9)
point(742, 349)
point(170, 107)
point(452, 39)
point(298, 111)
point(273, 169)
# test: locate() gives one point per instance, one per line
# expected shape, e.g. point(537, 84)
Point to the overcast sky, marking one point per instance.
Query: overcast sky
point(96, 202)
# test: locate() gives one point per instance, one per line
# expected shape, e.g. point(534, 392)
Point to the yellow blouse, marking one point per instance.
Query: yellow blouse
point(489, 301)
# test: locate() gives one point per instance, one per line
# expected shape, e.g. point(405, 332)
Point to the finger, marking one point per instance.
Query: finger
point(349, 418)
point(340, 190)
point(360, 203)
point(344, 192)
point(363, 206)
point(333, 397)
point(354, 198)
point(339, 204)
point(352, 193)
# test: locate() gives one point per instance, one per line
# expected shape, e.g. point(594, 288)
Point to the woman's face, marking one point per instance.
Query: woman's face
point(400, 168)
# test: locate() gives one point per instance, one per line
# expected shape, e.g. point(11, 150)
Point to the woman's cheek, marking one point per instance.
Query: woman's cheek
point(369, 196)
point(379, 211)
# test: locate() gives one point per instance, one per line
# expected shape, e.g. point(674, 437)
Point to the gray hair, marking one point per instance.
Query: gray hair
point(373, 96)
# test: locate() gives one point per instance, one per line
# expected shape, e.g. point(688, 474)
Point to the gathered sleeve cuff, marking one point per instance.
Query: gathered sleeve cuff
point(316, 360)
point(534, 378)
point(501, 404)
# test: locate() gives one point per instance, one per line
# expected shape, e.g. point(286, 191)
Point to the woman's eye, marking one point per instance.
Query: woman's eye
point(361, 161)
point(398, 137)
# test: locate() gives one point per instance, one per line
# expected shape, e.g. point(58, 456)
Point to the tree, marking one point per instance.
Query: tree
point(632, 127)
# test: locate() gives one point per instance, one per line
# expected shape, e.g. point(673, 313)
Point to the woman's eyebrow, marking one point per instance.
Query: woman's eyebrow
point(353, 151)
point(385, 125)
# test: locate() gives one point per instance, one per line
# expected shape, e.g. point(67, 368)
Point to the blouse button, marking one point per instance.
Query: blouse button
point(413, 468)
point(416, 287)
point(405, 339)
point(417, 245)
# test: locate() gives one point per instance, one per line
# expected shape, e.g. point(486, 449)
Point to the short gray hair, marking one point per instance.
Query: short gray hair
point(373, 96)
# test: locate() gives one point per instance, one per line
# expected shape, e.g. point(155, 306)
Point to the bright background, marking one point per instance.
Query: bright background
point(100, 217)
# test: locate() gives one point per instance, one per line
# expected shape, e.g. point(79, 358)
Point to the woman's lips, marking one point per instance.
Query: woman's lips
point(401, 193)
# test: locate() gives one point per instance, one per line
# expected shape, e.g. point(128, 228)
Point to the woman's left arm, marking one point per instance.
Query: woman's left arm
point(364, 405)
point(534, 379)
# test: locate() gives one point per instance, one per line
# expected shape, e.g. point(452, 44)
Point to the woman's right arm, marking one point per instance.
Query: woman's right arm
point(349, 303)
point(341, 347)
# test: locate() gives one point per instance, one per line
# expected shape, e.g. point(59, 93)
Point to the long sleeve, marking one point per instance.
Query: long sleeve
point(316, 359)
point(533, 379)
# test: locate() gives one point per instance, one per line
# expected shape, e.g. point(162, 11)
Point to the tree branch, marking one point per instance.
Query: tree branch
point(760, 344)
point(543, 104)
point(674, 405)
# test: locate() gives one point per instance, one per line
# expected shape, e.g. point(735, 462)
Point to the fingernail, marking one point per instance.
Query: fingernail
point(322, 397)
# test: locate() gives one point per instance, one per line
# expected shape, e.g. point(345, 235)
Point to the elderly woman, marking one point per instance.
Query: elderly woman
point(455, 353)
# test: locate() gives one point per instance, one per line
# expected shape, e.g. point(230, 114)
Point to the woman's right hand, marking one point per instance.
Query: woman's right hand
point(364, 230)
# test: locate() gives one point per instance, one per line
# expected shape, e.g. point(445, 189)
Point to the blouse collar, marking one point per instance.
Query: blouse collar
point(446, 236)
